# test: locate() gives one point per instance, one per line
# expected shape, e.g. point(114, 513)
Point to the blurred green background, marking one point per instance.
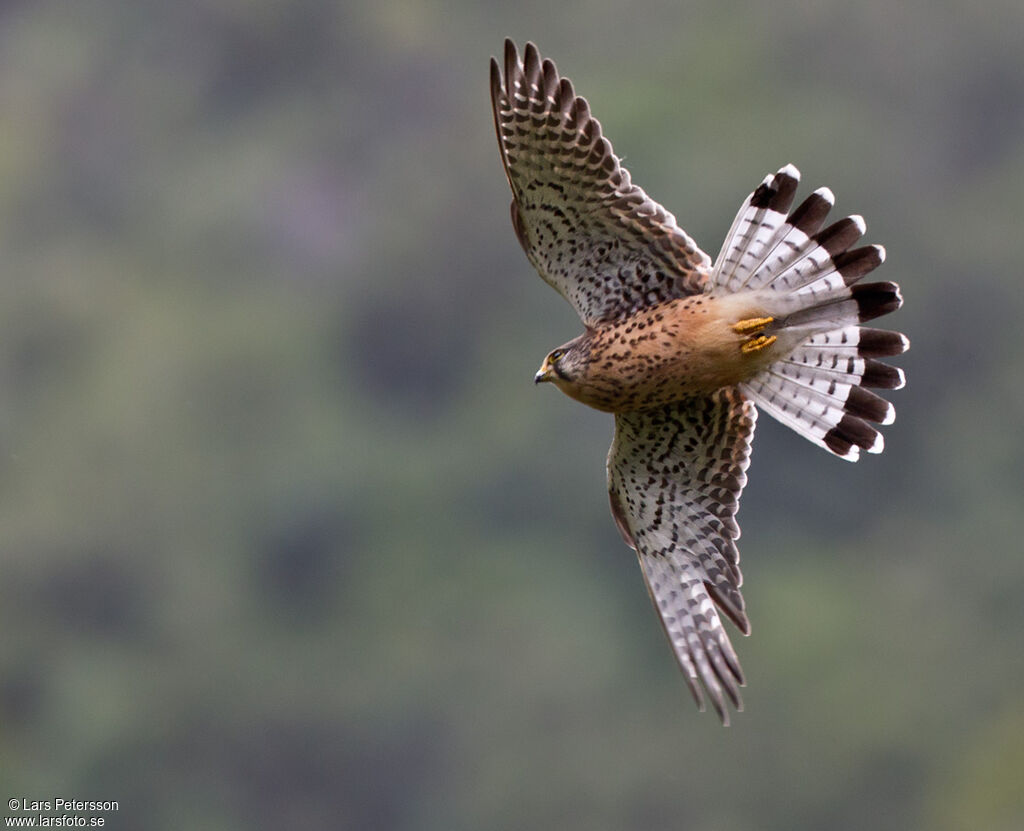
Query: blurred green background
point(289, 538)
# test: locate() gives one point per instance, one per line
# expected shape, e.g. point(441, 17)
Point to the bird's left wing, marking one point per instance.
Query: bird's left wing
point(593, 235)
point(675, 475)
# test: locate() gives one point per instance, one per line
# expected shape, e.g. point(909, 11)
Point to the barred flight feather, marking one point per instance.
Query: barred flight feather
point(594, 236)
point(685, 538)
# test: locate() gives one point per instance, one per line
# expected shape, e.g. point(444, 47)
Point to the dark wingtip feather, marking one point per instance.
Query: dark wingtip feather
point(762, 196)
point(882, 376)
point(732, 606)
point(733, 692)
point(777, 195)
point(869, 406)
point(849, 432)
point(495, 83)
point(786, 182)
point(733, 663)
point(881, 343)
point(810, 214)
point(511, 65)
point(857, 262)
point(695, 691)
point(565, 96)
point(718, 702)
point(550, 79)
point(839, 236)
point(876, 299)
point(531, 60)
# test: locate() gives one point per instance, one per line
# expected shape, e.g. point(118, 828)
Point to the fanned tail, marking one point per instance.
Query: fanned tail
point(807, 277)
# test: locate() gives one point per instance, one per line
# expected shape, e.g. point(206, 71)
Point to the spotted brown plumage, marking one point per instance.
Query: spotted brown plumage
point(598, 239)
point(681, 350)
point(675, 475)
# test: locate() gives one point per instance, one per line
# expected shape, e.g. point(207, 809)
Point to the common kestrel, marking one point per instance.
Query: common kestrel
point(681, 350)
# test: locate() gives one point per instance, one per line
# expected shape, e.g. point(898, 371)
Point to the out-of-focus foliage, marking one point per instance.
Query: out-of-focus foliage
point(289, 538)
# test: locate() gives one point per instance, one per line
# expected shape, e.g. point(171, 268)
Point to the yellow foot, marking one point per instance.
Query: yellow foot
point(757, 344)
point(751, 325)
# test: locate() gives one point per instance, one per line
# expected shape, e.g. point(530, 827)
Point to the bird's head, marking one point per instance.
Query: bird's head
point(563, 366)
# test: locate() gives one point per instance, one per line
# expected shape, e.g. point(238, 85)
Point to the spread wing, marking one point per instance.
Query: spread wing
point(596, 238)
point(675, 475)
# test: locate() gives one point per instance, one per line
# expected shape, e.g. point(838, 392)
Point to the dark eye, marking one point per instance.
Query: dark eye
point(554, 356)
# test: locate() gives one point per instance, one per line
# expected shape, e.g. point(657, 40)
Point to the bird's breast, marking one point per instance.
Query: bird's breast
point(675, 350)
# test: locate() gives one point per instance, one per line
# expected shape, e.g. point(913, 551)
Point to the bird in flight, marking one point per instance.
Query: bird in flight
point(681, 349)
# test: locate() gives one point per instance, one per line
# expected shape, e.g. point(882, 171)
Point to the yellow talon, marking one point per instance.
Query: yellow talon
point(752, 325)
point(757, 344)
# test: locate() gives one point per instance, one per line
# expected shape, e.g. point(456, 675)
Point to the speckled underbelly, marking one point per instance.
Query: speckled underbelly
point(677, 350)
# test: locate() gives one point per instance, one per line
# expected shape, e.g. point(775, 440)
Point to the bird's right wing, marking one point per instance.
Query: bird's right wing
point(675, 475)
point(594, 236)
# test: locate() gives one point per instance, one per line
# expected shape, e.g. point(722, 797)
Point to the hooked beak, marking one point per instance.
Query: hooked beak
point(545, 373)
